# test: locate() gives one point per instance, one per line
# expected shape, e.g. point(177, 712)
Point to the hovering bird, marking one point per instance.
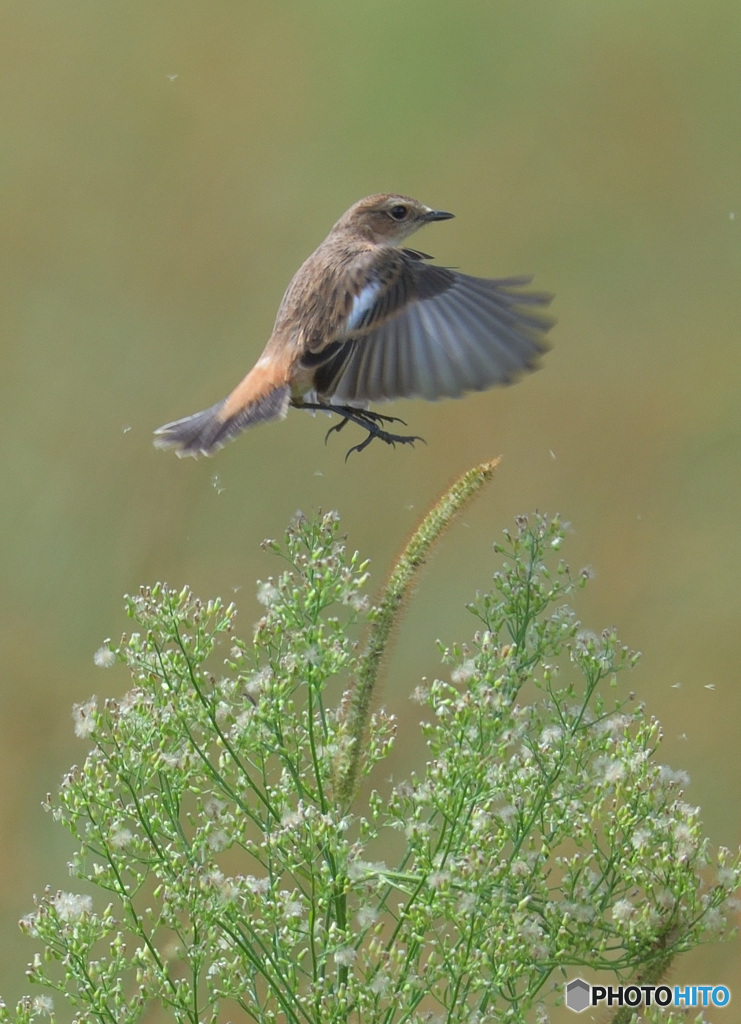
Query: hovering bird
point(363, 321)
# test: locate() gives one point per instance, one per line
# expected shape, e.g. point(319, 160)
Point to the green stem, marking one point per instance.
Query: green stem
point(397, 587)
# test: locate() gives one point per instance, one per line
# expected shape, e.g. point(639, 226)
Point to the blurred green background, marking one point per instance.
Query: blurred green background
point(165, 166)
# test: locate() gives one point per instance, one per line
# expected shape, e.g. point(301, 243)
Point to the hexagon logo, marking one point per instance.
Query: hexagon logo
point(578, 995)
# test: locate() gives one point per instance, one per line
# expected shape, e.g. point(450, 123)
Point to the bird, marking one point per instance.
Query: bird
point(367, 320)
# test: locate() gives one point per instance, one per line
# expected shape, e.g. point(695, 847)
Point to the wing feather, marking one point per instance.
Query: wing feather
point(430, 332)
point(469, 335)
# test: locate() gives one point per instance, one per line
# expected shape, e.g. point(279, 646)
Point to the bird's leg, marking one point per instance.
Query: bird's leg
point(370, 421)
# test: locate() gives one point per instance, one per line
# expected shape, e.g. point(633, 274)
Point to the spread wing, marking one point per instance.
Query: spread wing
point(430, 332)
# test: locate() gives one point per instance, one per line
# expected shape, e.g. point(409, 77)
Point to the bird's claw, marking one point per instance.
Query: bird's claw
point(368, 420)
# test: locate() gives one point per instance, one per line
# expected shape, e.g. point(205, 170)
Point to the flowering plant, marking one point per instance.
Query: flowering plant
point(220, 813)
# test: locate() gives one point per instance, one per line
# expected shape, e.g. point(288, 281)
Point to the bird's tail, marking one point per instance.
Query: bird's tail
point(260, 396)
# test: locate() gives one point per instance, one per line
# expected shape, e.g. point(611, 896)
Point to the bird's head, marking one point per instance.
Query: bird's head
point(387, 219)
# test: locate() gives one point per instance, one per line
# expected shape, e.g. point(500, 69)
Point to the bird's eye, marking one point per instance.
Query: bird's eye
point(398, 212)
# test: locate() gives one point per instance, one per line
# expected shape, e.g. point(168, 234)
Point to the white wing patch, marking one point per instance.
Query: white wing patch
point(362, 304)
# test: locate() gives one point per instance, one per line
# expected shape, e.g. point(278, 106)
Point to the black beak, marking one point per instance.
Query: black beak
point(439, 215)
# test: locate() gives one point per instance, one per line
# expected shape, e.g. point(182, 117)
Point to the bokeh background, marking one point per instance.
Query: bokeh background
point(165, 166)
